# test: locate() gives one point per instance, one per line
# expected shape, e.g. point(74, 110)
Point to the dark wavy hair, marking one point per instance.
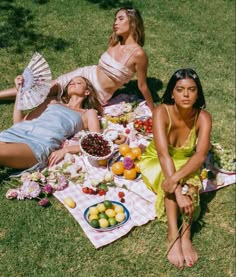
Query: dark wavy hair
point(90, 101)
point(180, 74)
point(137, 27)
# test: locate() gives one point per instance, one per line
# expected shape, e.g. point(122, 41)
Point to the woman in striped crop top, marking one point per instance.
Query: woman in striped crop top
point(123, 58)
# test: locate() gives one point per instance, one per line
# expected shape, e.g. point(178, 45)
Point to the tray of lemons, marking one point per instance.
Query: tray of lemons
point(106, 215)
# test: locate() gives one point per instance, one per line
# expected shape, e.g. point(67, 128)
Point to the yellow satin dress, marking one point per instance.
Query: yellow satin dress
point(152, 173)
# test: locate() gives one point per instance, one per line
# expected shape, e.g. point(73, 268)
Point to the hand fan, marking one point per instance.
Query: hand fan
point(37, 82)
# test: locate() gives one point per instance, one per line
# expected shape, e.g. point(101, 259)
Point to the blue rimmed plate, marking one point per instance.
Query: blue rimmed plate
point(126, 212)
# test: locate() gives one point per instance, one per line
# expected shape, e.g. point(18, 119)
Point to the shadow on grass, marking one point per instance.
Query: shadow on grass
point(17, 29)
point(130, 92)
point(108, 4)
point(205, 199)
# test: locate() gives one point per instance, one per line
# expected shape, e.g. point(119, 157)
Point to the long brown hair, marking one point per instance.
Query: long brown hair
point(136, 24)
point(90, 101)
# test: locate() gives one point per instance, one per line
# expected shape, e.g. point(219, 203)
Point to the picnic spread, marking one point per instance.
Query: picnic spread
point(81, 175)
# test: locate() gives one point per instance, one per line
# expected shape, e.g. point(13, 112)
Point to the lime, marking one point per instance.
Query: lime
point(103, 223)
point(110, 213)
point(102, 215)
point(120, 217)
point(107, 204)
point(112, 221)
point(94, 223)
point(101, 207)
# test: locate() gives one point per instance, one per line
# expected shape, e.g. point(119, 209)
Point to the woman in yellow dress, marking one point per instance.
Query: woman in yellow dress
point(171, 163)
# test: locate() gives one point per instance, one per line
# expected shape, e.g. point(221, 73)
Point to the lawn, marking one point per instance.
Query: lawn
point(198, 34)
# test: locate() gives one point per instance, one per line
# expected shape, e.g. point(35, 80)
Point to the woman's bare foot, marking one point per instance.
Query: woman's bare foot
point(175, 254)
point(189, 253)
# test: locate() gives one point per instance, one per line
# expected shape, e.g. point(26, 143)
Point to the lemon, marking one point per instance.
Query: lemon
point(93, 210)
point(69, 202)
point(120, 217)
point(103, 223)
point(119, 209)
point(101, 207)
point(93, 216)
point(110, 213)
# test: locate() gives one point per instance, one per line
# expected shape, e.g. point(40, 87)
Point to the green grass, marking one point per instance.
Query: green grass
point(198, 34)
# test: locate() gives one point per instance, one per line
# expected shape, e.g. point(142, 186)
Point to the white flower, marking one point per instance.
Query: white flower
point(108, 177)
point(36, 176)
point(25, 176)
point(95, 182)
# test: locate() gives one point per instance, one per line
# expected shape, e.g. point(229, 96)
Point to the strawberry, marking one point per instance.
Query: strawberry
point(121, 194)
point(101, 192)
point(85, 190)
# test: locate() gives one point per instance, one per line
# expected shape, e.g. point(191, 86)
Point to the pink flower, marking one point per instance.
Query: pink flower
point(30, 189)
point(44, 202)
point(47, 189)
point(12, 193)
point(128, 163)
point(62, 183)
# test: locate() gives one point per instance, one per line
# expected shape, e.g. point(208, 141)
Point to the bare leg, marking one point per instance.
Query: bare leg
point(16, 155)
point(8, 94)
point(190, 254)
point(175, 254)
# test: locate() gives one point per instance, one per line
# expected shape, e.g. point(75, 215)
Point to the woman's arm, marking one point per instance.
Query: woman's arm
point(18, 116)
point(92, 122)
point(203, 142)
point(141, 69)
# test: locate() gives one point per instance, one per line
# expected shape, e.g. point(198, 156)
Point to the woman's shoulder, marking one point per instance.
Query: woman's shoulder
point(203, 114)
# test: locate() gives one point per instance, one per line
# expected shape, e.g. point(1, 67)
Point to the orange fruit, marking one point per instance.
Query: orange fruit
point(102, 162)
point(130, 174)
point(117, 168)
point(124, 149)
point(137, 167)
point(130, 155)
point(136, 151)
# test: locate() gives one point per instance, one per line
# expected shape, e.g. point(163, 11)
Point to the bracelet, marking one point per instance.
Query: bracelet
point(185, 189)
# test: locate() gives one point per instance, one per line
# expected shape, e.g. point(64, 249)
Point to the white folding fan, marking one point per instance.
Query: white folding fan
point(37, 82)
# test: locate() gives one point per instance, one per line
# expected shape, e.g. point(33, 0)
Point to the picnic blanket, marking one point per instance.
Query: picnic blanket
point(138, 200)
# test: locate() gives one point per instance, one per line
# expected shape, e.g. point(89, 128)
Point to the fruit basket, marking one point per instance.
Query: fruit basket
point(106, 215)
point(96, 146)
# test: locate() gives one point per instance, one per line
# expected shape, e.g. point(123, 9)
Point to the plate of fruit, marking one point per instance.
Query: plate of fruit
point(143, 126)
point(125, 162)
point(96, 146)
point(106, 215)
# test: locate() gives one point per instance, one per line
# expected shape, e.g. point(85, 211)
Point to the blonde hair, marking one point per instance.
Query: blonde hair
point(136, 24)
point(90, 101)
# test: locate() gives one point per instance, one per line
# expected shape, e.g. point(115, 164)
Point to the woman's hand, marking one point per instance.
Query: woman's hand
point(19, 80)
point(56, 157)
point(168, 185)
point(184, 202)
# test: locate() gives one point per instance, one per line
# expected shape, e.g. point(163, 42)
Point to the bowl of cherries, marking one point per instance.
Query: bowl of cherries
point(96, 146)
